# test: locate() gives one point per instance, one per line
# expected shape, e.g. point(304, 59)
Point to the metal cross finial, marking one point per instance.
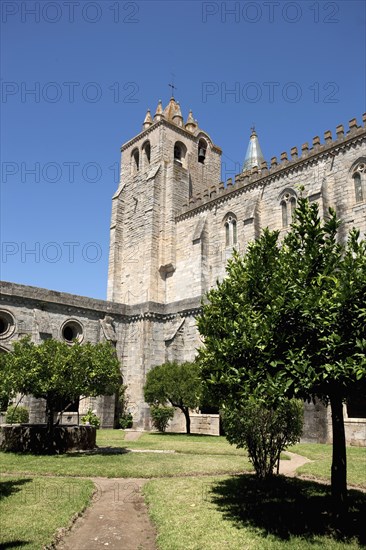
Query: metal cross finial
point(172, 86)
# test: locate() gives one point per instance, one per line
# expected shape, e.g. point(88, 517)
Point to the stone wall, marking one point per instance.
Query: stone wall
point(204, 424)
point(355, 429)
point(168, 247)
point(144, 207)
point(316, 426)
point(24, 438)
point(323, 173)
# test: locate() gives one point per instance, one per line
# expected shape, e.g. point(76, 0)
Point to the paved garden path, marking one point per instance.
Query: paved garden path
point(118, 517)
point(289, 467)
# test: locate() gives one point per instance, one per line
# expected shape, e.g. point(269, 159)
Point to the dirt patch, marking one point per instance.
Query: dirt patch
point(116, 519)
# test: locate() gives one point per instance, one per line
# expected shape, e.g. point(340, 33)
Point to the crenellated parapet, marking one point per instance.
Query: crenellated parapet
point(288, 162)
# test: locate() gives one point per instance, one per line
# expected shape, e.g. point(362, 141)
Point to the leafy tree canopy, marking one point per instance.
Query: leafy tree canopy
point(264, 432)
point(289, 321)
point(54, 370)
point(178, 384)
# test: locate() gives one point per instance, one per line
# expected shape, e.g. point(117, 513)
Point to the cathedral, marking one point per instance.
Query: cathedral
point(174, 225)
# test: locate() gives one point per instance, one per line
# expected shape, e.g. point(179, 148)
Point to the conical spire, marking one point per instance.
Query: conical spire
point(254, 155)
point(148, 120)
point(191, 124)
point(159, 112)
point(177, 116)
point(171, 109)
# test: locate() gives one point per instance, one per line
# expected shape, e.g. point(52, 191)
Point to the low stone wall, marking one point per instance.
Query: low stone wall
point(316, 427)
point(25, 438)
point(355, 429)
point(205, 424)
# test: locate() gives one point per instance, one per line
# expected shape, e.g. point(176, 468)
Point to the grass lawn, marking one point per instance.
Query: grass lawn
point(123, 465)
point(212, 509)
point(181, 443)
point(322, 456)
point(240, 513)
point(195, 455)
point(33, 508)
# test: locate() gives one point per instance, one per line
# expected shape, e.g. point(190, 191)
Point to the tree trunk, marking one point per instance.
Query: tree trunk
point(188, 420)
point(339, 458)
point(50, 431)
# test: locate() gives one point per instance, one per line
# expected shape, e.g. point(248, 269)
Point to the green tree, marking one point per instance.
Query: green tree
point(289, 320)
point(17, 415)
point(161, 416)
point(264, 431)
point(178, 384)
point(56, 371)
point(5, 387)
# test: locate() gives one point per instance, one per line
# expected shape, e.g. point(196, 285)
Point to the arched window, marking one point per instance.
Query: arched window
point(288, 206)
point(235, 234)
point(146, 148)
point(202, 148)
point(284, 214)
point(359, 181)
point(231, 233)
point(135, 161)
point(179, 152)
point(292, 206)
point(227, 233)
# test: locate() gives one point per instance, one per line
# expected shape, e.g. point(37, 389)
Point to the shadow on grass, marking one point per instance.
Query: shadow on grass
point(77, 453)
point(286, 507)
point(99, 451)
point(14, 544)
point(179, 435)
point(9, 487)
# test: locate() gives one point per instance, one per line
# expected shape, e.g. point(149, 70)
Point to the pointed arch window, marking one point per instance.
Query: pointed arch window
point(359, 181)
point(288, 206)
point(227, 234)
point(179, 153)
point(231, 233)
point(284, 214)
point(135, 161)
point(202, 148)
point(146, 153)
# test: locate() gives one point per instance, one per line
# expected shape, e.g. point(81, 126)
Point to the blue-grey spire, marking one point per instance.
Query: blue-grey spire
point(254, 155)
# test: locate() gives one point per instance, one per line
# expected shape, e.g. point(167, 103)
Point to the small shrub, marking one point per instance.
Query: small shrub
point(125, 418)
point(160, 417)
point(126, 421)
point(264, 432)
point(17, 415)
point(91, 418)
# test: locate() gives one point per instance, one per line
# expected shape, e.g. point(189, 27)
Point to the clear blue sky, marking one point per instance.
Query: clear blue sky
point(297, 69)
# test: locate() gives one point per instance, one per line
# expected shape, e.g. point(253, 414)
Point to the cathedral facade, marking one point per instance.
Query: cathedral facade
point(174, 226)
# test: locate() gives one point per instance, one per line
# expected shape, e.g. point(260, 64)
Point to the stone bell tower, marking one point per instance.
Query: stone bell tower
point(168, 162)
